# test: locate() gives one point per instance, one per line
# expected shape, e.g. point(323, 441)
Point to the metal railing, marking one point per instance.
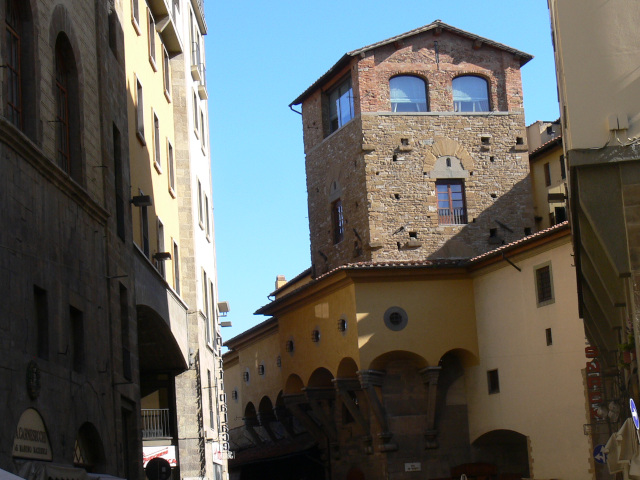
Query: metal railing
point(452, 216)
point(155, 423)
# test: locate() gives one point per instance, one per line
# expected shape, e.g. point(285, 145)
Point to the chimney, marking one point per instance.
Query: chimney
point(280, 281)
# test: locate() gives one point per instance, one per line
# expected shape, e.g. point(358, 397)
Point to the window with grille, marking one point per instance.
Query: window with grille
point(544, 285)
point(451, 202)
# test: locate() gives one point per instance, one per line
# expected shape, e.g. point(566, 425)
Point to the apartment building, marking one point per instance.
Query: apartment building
point(173, 231)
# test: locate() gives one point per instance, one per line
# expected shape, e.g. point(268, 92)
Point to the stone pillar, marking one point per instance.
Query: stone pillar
point(430, 378)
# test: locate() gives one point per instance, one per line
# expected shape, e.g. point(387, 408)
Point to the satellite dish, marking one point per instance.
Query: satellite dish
point(158, 469)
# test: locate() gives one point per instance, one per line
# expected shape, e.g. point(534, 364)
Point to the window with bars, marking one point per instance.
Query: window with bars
point(452, 208)
point(544, 285)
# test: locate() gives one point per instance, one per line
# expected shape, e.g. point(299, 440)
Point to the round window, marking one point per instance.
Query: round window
point(395, 318)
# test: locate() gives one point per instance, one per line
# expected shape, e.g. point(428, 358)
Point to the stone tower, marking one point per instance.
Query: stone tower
point(416, 149)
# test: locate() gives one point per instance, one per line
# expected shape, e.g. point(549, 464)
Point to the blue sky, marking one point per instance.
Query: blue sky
point(261, 56)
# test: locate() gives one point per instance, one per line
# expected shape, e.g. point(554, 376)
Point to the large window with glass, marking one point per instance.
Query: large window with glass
point(340, 105)
point(470, 94)
point(451, 203)
point(408, 94)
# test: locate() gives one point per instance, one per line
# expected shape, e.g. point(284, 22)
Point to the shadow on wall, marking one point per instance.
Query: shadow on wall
point(499, 224)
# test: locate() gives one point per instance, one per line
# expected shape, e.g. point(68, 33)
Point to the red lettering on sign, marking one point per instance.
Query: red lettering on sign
point(591, 352)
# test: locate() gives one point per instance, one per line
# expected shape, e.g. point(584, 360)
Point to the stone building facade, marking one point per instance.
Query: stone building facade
point(67, 376)
point(383, 165)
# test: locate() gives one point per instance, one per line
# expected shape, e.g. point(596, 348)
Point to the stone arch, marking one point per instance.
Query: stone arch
point(380, 362)
point(506, 449)
point(250, 411)
point(320, 378)
point(444, 147)
point(347, 368)
point(89, 450)
point(63, 41)
point(294, 385)
point(265, 406)
point(26, 16)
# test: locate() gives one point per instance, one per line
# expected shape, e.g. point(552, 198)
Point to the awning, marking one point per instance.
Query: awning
point(4, 475)
point(50, 471)
point(623, 451)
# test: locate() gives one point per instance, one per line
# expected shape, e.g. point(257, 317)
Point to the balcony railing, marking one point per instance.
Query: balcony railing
point(452, 216)
point(155, 423)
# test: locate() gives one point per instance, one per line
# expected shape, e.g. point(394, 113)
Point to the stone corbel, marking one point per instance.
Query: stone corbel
point(343, 387)
point(319, 401)
point(370, 379)
point(283, 415)
point(264, 418)
point(294, 404)
point(250, 424)
point(430, 378)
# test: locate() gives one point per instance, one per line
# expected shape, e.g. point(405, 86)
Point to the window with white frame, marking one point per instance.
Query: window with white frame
point(172, 169)
point(200, 219)
point(160, 246)
point(139, 112)
point(151, 31)
point(156, 143)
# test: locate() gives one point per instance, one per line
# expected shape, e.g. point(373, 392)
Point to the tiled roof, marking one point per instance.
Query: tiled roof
point(557, 140)
point(346, 58)
point(522, 241)
point(435, 263)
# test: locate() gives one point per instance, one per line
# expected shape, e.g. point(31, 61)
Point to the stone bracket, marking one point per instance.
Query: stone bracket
point(430, 378)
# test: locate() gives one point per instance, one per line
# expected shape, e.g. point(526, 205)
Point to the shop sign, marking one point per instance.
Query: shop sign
point(167, 452)
point(413, 467)
point(31, 439)
point(594, 382)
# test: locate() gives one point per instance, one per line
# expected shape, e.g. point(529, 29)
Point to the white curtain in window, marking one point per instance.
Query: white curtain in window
point(470, 94)
point(408, 94)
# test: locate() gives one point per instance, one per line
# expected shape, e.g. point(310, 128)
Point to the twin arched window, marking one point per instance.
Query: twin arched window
point(409, 94)
point(470, 94)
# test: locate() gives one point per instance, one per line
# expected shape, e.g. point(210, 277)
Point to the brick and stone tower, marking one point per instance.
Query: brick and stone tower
point(416, 149)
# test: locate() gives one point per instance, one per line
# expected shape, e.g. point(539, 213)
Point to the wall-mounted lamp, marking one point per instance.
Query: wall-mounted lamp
point(142, 201)
point(162, 256)
point(223, 308)
point(226, 323)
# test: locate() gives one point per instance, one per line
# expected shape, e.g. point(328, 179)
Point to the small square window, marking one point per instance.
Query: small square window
point(544, 285)
point(493, 381)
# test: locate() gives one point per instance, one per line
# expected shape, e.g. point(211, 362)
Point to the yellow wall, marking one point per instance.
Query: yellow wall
point(541, 390)
point(597, 68)
point(144, 175)
point(542, 207)
point(440, 318)
point(322, 313)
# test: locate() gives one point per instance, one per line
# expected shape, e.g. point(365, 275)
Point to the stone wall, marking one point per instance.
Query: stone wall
point(384, 166)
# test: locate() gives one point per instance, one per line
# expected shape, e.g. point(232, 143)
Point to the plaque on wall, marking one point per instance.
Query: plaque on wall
point(31, 439)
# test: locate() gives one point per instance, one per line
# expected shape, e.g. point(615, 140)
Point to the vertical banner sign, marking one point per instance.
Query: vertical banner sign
point(223, 427)
point(594, 382)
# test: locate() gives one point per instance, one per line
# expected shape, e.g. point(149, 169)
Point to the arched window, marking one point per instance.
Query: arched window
point(68, 153)
point(470, 94)
point(19, 66)
point(408, 94)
